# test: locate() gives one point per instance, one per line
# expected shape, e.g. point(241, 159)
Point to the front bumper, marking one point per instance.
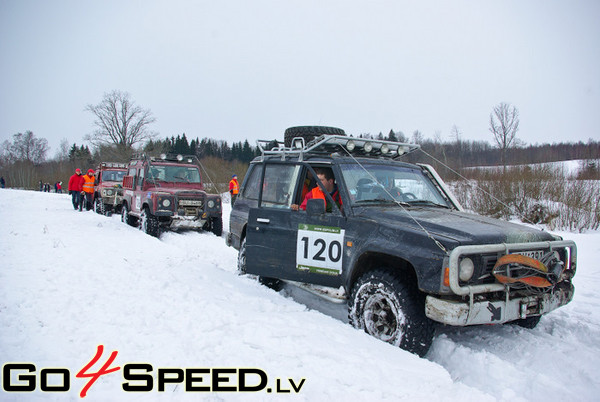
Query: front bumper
point(187, 222)
point(462, 313)
point(112, 200)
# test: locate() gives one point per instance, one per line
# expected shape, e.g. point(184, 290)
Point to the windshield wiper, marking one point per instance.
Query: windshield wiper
point(428, 203)
point(380, 201)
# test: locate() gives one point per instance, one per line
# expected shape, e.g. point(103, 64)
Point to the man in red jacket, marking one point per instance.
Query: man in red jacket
point(75, 188)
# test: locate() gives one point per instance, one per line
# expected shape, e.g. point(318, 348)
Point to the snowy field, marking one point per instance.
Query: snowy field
point(70, 281)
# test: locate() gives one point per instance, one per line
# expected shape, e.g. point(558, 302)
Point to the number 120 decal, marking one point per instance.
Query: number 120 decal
point(319, 249)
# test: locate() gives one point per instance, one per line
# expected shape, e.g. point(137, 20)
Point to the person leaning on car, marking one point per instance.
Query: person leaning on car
point(75, 187)
point(88, 188)
point(328, 181)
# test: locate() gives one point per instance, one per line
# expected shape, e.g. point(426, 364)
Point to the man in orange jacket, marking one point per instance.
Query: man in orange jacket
point(328, 181)
point(88, 189)
point(234, 188)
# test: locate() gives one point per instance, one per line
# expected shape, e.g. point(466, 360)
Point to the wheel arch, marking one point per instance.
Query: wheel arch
point(372, 260)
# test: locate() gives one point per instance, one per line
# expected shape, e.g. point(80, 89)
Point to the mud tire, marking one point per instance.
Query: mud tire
point(391, 310)
point(241, 260)
point(216, 226)
point(149, 223)
point(99, 206)
point(309, 133)
point(126, 217)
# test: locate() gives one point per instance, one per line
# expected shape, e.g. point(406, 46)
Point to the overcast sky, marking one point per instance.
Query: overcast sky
point(240, 69)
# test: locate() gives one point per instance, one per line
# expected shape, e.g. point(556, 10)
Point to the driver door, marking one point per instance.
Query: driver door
point(293, 245)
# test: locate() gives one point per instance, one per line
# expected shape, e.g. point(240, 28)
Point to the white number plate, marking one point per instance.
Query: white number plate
point(319, 249)
point(536, 254)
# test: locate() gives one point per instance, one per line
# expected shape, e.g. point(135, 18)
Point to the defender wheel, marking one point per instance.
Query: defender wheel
point(309, 133)
point(216, 226)
point(99, 206)
point(241, 260)
point(126, 218)
point(392, 311)
point(529, 322)
point(149, 223)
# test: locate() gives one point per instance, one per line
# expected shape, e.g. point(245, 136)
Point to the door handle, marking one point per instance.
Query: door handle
point(263, 220)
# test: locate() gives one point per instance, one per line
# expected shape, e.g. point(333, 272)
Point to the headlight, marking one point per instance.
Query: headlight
point(166, 203)
point(466, 269)
point(211, 204)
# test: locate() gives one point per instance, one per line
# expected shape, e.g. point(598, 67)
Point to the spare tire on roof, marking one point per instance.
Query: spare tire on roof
point(309, 133)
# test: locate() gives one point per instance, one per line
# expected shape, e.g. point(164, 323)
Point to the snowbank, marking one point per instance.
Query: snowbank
point(70, 281)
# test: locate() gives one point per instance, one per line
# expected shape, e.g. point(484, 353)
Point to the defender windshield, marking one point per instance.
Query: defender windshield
point(174, 173)
point(113, 175)
point(380, 184)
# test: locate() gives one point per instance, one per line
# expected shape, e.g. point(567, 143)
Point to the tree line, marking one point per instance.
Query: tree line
point(122, 128)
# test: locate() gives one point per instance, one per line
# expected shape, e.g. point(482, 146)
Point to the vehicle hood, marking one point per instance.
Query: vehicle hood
point(178, 191)
point(464, 228)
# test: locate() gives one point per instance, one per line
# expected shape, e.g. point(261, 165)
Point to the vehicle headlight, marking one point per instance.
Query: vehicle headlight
point(211, 204)
point(166, 203)
point(109, 192)
point(466, 269)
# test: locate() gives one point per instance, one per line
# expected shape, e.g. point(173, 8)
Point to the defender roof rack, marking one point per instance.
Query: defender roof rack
point(170, 157)
point(342, 145)
point(117, 165)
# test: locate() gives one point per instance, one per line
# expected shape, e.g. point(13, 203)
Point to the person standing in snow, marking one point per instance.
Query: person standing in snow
point(2, 182)
point(75, 188)
point(88, 189)
point(234, 188)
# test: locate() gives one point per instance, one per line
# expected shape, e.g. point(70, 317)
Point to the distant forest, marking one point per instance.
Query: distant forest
point(456, 154)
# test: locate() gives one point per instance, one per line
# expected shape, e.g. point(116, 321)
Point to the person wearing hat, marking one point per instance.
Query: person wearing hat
point(75, 187)
point(89, 180)
point(234, 188)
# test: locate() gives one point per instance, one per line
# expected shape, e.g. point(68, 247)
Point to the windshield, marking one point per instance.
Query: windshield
point(174, 173)
point(113, 175)
point(375, 183)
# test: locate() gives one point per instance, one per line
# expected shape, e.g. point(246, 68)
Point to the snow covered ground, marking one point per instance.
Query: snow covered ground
point(70, 281)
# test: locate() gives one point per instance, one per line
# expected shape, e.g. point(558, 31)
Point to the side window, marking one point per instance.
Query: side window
point(131, 172)
point(278, 186)
point(252, 184)
point(141, 179)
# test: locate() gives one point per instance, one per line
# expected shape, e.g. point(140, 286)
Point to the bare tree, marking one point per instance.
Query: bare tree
point(120, 121)
point(26, 147)
point(504, 124)
point(418, 137)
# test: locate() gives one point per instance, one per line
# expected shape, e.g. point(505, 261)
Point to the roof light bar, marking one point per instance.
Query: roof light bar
point(330, 144)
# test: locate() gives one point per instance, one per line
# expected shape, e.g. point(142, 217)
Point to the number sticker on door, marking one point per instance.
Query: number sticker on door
point(319, 249)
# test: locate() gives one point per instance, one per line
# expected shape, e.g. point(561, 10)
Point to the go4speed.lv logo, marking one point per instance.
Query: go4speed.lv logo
point(142, 377)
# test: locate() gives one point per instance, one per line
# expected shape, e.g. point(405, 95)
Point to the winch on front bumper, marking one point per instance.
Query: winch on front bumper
point(523, 287)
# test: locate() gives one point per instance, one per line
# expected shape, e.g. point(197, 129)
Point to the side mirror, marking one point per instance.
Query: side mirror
point(315, 206)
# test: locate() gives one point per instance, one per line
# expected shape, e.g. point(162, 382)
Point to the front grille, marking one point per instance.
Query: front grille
point(487, 265)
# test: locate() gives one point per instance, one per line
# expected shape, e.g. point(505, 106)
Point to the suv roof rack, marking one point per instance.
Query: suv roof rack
point(330, 144)
point(167, 157)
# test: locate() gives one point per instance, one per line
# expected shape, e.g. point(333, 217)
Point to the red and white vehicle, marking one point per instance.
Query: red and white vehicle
point(167, 193)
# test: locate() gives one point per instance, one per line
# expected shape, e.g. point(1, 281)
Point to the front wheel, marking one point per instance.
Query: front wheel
point(216, 226)
point(99, 206)
point(392, 311)
point(126, 218)
point(149, 223)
